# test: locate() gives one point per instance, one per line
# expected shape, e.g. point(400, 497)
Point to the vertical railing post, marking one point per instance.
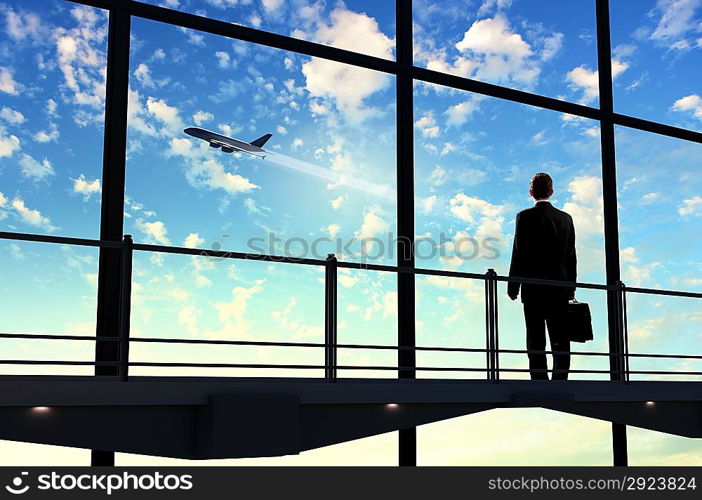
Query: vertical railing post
point(623, 333)
point(125, 306)
point(491, 323)
point(330, 320)
point(488, 328)
point(495, 328)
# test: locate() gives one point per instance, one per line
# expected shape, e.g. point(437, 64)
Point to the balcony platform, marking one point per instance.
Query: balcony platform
point(207, 417)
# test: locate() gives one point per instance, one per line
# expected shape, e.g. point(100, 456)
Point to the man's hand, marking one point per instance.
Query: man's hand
point(513, 297)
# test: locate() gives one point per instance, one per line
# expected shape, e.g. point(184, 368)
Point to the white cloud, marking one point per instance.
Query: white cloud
point(484, 218)
point(492, 51)
point(271, 5)
point(586, 205)
point(691, 206)
point(31, 216)
point(12, 116)
point(581, 78)
point(51, 107)
point(202, 117)
point(168, 115)
point(390, 305)
point(692, 103)
point(188, 317)
point(427, 126)
point(8, 144)
point(333, 230)
point(347, 281)
point(193, 240)
point(429, 203)
point(82, 61)
point(336, 202)
point(202, 281)
point(459, 113)
point(210, 173)
point(348, 86)
point(650, 197)
point(438, 176)
point(373, 225)
point(50, 135)
point(540, 138)
point(296, 144)
point(34, 169)
point(8, 83)
point(223, 59)
point(179, 294)
point(488, 5)
point(154, 231)
point(639, 274)
point(143, 76)
point(194, 38)
point(677, 19)
point(232, 314)
point(87, 188)
point(296, 326)
point(22, 25)
point(16, 252)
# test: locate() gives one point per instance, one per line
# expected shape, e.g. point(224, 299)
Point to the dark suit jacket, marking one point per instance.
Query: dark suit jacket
point(544, 247)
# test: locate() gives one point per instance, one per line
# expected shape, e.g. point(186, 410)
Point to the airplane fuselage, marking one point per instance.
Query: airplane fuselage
point(228, 144)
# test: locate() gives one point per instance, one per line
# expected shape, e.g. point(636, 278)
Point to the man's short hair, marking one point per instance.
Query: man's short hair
point(541, 185)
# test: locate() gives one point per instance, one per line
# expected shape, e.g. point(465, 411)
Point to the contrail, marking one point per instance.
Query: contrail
point(335, 178)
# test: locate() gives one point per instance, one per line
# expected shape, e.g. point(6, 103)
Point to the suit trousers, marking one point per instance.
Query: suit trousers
point(537, 315)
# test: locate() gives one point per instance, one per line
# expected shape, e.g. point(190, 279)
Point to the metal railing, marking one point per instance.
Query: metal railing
point(492, 351)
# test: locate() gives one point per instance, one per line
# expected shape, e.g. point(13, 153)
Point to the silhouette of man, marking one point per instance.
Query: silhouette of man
point(544, 247)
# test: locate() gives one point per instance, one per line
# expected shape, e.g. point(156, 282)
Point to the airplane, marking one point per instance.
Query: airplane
point(229, 144)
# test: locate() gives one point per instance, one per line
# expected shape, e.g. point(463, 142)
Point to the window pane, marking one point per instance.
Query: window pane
point(474, 159)
point(207, 298)
point(544, 46)
point(660, 210)
point(50, 290)
point(52, 93)
point(658, 45)
point(329, 171)
point(367, 312)
point(360, 25)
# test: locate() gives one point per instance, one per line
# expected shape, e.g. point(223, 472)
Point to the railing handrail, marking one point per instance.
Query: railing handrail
point(342, 264)
point(272, 343)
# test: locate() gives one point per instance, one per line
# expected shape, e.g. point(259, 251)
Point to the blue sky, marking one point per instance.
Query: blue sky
point(331, 175)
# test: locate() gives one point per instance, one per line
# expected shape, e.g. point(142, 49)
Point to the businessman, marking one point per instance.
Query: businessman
point(544, 247)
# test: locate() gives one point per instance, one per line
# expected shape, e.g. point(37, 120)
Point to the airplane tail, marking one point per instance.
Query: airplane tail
point(261, 141)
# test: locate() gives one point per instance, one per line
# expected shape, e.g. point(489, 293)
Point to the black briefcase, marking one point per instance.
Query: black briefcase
point(579, 321)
